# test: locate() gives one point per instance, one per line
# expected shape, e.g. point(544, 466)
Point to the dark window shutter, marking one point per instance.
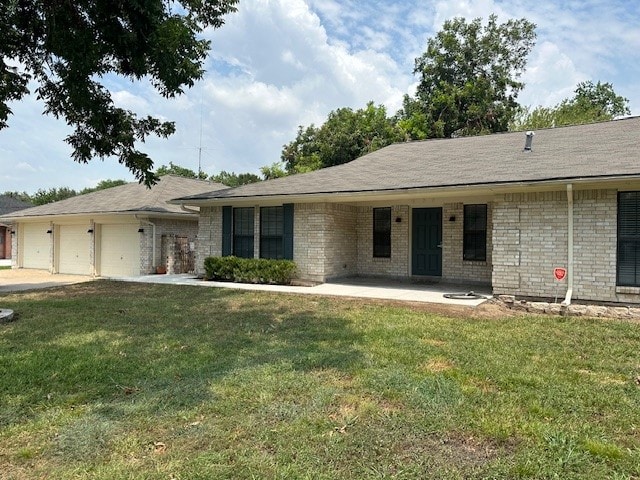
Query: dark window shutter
point(287, 234)
point(227, 239)
point(628, 239)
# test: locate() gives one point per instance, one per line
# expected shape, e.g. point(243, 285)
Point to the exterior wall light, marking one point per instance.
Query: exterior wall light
point(141, 230)
point(452, 218)
point(49, 231)
point(90, 230)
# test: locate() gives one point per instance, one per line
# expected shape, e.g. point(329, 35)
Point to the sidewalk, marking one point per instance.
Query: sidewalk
point(28, 279)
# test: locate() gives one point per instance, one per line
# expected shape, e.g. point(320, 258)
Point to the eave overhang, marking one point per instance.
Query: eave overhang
point(621, 182)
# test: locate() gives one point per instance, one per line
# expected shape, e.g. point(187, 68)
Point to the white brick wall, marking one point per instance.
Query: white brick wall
point(209, 238)
point(325, 240)
point(336, 240)
point(454, 267)
point(527, 239)
point(531, 237)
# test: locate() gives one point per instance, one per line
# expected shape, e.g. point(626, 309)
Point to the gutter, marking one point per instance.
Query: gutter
point(567, 298)
point(189, 210)
point(153, 239)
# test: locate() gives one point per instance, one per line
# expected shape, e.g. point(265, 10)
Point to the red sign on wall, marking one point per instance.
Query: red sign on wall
point(559, 273)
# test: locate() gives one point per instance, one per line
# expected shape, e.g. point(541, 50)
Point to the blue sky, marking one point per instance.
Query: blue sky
point(277, 64)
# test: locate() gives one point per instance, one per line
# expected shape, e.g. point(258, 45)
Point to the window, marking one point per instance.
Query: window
point(271, 232)
point(628, 274)
point(243, 232)
point(382, 232)
point(475, 233)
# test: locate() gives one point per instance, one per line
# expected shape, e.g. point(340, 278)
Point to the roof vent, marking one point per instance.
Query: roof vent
point(529, 141)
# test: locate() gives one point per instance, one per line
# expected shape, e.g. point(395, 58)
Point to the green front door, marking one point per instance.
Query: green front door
point(426, 255)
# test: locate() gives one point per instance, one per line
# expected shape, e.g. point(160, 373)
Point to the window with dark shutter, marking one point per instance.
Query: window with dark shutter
point(628, 270)
point(227, 231)
point(243, 232)
point(287, 234)
point(271, 232)
point(475, 232)
point(382, 232)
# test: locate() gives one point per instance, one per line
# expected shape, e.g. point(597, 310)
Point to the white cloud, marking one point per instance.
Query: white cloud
point(469, 9)
point(24, 166)
point(127, 100)
point(550, 77)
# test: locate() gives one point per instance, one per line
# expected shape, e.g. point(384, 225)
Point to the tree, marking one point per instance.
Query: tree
point(469, 78)
point(345, 136)
point(67, 48)
point(275, 170)
point(235, 180)
point(42, 197)
point(179, 171)
point(24, 196)
point(591, 103)
point(102, 185)
point(412, 119)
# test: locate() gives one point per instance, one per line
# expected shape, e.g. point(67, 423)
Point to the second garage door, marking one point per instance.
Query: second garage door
point(119, 250)
point(73, 250)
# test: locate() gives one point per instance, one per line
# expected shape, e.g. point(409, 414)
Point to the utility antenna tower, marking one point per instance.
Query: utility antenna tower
point(200, 143)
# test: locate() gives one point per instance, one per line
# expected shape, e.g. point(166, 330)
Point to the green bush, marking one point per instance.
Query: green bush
point(249, 270)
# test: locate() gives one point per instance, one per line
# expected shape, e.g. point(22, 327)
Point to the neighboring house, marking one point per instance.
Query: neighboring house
point(7, 206)
point(482, 209)
point(126, 230)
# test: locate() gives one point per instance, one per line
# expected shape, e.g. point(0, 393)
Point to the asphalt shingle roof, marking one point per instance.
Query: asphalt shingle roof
point(11, 204)
point(598, 150)
point(130, 198)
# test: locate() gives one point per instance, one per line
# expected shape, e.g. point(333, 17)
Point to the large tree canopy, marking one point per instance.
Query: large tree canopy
point(591, 103)
point(178, 171)
point(42, 196)
point(346, 135)
point(232, 179)
point(67, 47)
point(469, 78)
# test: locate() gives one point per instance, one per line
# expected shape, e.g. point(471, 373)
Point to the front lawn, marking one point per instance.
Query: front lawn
point(109, 380)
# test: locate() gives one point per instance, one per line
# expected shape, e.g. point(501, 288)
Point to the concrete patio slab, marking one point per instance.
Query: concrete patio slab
point(352, 287)
point(28, 279)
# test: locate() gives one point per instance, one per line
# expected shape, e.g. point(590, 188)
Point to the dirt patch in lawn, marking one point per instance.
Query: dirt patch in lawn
point(462, 453)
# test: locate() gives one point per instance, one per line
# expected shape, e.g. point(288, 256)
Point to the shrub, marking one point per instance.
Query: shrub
point(249, 270)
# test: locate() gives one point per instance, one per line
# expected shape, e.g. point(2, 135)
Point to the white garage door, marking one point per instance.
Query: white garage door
point(35, 245)
point(119, 251)
point(73, 249)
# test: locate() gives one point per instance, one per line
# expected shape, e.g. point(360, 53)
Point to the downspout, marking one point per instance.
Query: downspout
point(567, 298)
point(153, 239)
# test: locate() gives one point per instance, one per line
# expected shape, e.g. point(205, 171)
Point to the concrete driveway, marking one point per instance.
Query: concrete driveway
point(28, 279)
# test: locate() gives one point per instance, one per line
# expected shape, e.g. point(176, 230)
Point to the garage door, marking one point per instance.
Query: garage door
point(35, 245)
point(119, 251)
point(73, 249)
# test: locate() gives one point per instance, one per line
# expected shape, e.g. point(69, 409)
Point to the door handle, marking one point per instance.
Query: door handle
point(439, 245)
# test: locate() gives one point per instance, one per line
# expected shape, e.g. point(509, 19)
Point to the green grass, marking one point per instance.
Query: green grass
point(109, 380)
point(5, 267)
